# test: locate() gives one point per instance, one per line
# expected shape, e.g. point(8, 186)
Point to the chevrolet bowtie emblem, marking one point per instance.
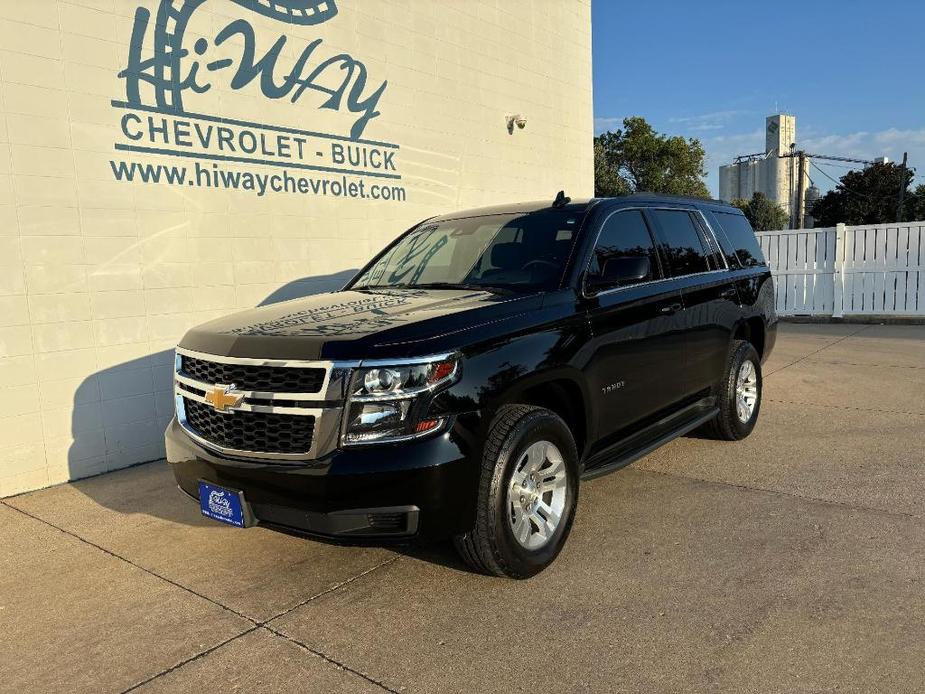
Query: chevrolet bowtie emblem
point(221, 397)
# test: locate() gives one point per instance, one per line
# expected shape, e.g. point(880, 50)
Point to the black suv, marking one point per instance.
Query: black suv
point(466, 380)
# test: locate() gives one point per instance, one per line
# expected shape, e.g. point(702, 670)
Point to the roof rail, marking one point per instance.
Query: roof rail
point(646, 194)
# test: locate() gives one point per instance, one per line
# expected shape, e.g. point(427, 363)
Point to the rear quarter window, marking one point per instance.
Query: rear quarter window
point(737, 239)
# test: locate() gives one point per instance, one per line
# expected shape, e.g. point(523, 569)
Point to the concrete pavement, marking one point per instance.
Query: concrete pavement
point(793, 561)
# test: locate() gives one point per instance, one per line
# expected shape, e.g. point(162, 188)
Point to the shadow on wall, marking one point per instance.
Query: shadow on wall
point(309, 286)
point(119, 414)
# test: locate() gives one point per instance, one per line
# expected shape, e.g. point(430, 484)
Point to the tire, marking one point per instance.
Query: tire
point(520, 438)
point(729, 424)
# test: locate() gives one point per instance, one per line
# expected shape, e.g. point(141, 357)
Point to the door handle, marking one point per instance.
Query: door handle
point(671, 308)
point(729, 293)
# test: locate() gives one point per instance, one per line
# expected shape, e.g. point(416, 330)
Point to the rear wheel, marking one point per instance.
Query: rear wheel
point(739, 394)
point(527, 494)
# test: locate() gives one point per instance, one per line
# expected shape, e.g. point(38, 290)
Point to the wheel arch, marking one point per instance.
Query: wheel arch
point(559, 393)
point(751, 330)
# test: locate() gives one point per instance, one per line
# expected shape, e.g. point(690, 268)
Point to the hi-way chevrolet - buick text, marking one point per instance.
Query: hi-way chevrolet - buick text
point(475, 371)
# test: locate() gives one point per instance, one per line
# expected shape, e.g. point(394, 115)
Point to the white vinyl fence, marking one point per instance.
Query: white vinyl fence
point(848, 270)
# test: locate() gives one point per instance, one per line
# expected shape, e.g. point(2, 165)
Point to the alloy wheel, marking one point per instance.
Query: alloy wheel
point(746, 391)
point(536, 495)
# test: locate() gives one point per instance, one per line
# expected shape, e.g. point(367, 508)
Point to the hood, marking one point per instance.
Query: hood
point(355, 324)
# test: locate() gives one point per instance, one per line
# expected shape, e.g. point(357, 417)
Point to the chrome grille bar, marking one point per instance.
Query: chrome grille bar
point(250, 407)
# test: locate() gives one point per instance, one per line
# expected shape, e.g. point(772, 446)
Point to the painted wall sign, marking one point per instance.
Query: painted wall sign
point(160, 82)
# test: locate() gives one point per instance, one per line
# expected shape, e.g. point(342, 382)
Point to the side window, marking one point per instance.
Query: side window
point(625, 234)
point(681, 243)
point(741, 239)
point(723, 239)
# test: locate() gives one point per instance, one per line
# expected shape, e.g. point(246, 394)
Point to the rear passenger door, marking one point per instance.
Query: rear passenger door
point(634, 364)
point(707, 292)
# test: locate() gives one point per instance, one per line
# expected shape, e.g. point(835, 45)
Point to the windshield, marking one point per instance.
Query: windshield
point(517, 252)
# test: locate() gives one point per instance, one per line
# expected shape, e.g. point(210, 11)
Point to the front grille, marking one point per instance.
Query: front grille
point(251, 431)
point(271, 379)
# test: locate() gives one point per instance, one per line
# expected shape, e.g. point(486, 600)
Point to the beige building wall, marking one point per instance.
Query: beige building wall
point(100, 277)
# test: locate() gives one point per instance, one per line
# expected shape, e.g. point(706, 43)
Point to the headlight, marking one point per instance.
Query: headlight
point(389, 402)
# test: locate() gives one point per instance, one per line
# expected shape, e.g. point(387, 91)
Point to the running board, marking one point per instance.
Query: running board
point(632, 456)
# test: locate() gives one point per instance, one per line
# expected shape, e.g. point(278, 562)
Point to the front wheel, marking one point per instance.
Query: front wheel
point(739, 394)
point(527, 494)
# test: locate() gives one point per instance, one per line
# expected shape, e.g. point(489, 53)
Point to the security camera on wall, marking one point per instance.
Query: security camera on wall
point(518, 120)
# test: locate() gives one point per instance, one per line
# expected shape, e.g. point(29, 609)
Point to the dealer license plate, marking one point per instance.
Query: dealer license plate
point(223, 505)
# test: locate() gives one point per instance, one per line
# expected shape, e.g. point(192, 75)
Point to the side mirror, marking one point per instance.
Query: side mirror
point(620, 271)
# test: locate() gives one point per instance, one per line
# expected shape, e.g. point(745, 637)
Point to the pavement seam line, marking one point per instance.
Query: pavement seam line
point(329, 659)
point(331, 589)
point(131, 563)
point(807, 356)
point(845, 407)
point(264, 624)
point(197, 656)
point(836, 362)
point(255, 624)
point(778, 492)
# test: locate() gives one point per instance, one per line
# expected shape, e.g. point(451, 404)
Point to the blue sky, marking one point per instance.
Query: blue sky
point(853, 73)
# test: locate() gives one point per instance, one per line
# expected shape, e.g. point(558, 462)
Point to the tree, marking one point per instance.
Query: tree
point(607, 182)
point(763, 214)
point(869, 196)
point(637, 159)
point(915, 205)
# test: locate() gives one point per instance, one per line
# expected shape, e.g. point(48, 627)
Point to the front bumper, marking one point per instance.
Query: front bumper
point(425, 489)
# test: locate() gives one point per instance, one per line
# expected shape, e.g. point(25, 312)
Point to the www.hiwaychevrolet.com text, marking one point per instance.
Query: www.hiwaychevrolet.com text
point(204, 176)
